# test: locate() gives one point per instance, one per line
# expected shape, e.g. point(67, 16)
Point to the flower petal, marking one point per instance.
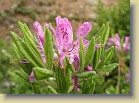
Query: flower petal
point(64, 31)
point(31, 77)
point(84, 29)
point(126, 46)
point(117, 42)
point(39, 31)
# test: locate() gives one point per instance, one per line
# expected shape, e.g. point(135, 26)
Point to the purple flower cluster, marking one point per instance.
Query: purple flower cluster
point(65, 45)
point(118, 45)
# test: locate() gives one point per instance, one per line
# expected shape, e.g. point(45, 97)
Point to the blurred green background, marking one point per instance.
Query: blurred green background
point(117, 12)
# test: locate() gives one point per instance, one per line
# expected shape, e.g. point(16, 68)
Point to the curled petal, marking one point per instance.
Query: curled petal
point(64, 31)
point(31, 77)
point(39, 31)
point(117, 41)
point(84, 29)
point(117, 38)
point(126, 45)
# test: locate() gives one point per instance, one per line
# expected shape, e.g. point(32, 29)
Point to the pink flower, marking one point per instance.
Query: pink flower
point(126, 45)
point(88, 68)
point(40, 34)
point(64, 43)
point(39, 31)
point(31, 77)
point(116, 41)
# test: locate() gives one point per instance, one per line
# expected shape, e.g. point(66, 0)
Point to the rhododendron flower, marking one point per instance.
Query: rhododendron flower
point(64, 43)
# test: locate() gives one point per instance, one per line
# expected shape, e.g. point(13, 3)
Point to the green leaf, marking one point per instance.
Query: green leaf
point(106, 34)
point(97, 56)
point(16, 37)
point(48, 48)
point(68, 78)
point(17, 52)
point(20, 58)
point(90, 52)
point(81, 55)
point(92, 88)
point(24, 29)
point(70, 65)
point(101, 31)
point(85, 74)
point(106, 57)
point(52, 90)
point(88, 86)
point(61, 80)
point(108, 68)
point(30, 42)
point(42, 73)
point(22, 74)
point(28, 53)
point(84, 88)
point(39, 87)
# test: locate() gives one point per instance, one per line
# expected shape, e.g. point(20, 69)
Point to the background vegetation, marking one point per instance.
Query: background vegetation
point(117, 12)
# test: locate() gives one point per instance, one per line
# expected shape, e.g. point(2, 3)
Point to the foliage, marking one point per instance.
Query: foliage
point(118, 17)
point(50, 77)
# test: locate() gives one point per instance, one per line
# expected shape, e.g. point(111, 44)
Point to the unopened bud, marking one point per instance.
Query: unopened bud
point(107, 73)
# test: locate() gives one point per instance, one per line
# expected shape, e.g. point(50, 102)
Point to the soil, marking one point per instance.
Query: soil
point(77, 11)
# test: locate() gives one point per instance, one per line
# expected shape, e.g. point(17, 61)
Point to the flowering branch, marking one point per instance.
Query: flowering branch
point(58, 64)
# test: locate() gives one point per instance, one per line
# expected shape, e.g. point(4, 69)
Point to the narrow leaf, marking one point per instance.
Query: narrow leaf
point(30, 42)
point(90, 52)
point(106, 57)
point(42, 73)
point(28, 53)
point(85, 74)
point(81, 55)
point(108, 68)
point(20, 58)
point(22, 74)
point(48, 48)
point(52, 90)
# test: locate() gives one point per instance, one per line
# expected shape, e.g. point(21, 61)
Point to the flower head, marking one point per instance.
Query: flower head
point(116, 41)
point(64, 43)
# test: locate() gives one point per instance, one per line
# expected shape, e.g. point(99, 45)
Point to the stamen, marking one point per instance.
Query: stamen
point(64, 50)
point(74, 44)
